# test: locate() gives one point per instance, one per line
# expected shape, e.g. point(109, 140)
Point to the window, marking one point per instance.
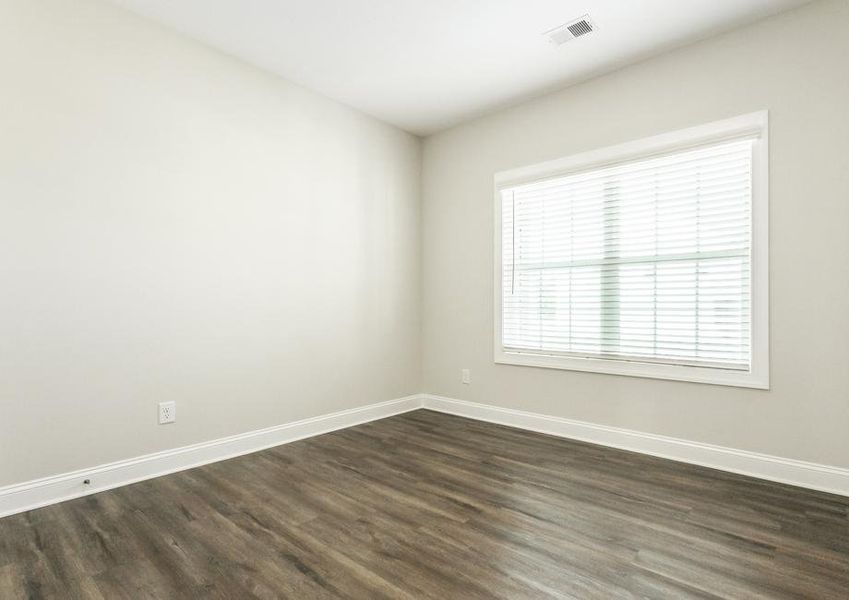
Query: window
point(645, 259)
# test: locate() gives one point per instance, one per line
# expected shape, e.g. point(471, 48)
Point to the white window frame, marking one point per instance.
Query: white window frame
point(754, 125)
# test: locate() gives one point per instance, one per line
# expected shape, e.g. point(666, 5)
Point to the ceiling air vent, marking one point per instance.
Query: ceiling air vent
point(570, 31)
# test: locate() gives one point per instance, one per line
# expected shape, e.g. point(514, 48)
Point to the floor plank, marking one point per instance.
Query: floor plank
point(431, 506)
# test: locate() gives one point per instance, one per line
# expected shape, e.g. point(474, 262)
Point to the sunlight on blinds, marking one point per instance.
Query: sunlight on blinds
point(646, 260)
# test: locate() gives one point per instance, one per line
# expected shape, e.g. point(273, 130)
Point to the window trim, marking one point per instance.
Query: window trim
point(754, 125)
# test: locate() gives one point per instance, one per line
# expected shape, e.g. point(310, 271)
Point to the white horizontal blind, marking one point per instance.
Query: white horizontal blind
point(647, 260)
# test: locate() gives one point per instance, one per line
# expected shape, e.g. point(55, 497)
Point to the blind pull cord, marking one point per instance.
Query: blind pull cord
point(513, 259)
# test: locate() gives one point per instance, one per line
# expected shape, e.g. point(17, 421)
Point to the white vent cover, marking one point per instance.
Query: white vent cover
point(570, 31)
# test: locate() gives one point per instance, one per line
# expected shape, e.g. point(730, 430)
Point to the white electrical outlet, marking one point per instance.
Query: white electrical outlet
point(167, 412)
point(466, 376)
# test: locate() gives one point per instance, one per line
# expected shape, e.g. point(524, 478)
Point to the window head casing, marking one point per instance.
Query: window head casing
point(648, 258)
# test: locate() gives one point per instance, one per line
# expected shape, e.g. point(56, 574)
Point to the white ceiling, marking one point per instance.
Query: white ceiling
point(425, 65)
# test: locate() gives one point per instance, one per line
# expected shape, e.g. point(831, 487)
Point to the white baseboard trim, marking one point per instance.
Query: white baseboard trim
point(762, 466)
point(50, 490)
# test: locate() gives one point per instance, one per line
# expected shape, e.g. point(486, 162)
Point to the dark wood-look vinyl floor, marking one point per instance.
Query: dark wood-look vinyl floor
point(426, 505)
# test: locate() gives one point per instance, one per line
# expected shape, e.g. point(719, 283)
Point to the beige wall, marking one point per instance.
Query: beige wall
point(176, 225)
point(797, 66)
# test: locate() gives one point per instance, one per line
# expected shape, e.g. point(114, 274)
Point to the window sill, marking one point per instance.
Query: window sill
point(712, 376)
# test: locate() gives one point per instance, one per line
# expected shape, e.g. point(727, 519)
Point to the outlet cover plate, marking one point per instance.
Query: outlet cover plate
point(167, 412)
